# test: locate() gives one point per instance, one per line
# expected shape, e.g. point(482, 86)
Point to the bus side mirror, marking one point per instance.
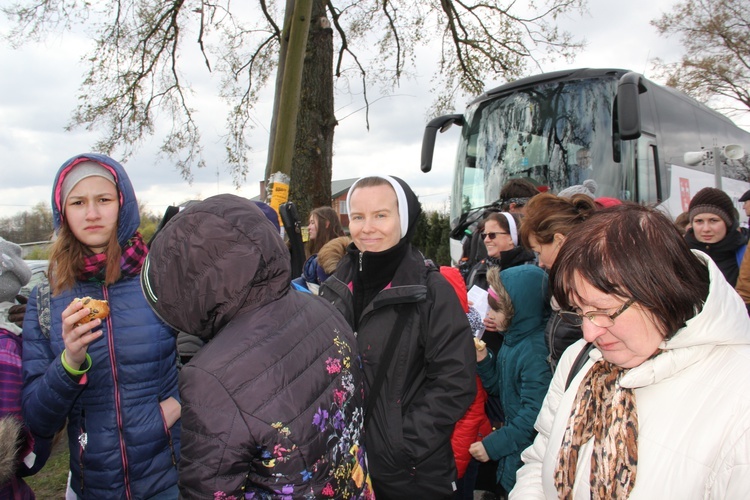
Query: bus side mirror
point(441, 123)
point(629, 90)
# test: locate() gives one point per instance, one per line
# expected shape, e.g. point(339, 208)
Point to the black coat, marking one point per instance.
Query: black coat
point(723, 253)
point(516, 256)
point(428, 386)
point(559, 335)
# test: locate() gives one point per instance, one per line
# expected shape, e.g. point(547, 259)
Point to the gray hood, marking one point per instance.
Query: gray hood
point(213, 260)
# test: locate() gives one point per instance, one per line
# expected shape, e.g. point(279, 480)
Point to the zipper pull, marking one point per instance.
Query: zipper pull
point(360, 261)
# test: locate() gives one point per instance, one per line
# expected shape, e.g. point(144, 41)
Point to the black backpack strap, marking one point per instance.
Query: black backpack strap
point(43, 307)
point(385, 360)
point(581, 359)
point(293, 230)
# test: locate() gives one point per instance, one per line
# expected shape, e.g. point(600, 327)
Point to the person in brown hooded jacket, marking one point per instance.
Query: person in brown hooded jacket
point(273, 403)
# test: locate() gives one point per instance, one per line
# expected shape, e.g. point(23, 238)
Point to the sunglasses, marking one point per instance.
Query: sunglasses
point(491, 236)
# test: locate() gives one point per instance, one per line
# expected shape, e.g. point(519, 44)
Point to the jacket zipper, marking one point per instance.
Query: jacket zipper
point(82, 441)
point(360, 261)
point(118, 405)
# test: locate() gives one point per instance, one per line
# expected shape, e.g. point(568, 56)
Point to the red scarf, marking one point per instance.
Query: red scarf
point(133, 254)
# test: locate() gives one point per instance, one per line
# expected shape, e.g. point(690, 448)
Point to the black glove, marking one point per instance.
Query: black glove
point(17, 312)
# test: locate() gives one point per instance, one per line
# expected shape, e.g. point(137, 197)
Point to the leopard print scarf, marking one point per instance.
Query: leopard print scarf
point(606, 412)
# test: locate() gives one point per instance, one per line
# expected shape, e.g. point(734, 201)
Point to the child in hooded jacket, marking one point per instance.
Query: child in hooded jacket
point(519, 375)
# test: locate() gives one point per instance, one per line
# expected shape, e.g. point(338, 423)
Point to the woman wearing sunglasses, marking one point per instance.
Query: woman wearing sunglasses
point(499, 233)
point(660, 407)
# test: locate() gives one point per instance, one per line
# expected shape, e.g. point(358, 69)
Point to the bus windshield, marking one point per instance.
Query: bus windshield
point(555, 134)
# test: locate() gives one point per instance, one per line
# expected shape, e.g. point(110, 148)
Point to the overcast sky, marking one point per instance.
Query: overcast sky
point(40, 82)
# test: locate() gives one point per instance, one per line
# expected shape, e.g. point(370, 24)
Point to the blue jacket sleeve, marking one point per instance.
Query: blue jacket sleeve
point(48, 391)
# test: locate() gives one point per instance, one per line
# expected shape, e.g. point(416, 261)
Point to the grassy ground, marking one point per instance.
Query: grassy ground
point(50, 482)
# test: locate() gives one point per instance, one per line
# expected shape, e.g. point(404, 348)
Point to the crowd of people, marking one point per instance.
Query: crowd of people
point(374, 375)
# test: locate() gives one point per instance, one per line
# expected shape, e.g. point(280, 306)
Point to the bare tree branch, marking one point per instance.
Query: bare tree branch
point(136, 71)
point(715, 35)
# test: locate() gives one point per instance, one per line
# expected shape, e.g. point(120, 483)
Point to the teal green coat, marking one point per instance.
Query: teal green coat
point(520, 375)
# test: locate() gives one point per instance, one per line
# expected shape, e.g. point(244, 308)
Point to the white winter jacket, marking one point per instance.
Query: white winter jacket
point(693, 404)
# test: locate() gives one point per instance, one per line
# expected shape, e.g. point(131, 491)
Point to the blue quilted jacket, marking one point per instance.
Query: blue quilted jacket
point(120, 446)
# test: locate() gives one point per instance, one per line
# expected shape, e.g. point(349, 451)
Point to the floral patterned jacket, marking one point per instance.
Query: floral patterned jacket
point(273, 403)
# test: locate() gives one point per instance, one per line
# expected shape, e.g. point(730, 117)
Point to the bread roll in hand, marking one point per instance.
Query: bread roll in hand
point(99, 309)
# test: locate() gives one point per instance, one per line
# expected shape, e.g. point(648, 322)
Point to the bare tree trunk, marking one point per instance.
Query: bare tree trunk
point(313, 147)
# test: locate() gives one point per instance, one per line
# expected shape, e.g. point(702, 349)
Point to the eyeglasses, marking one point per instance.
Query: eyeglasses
point(491, 236)
point(600, 319)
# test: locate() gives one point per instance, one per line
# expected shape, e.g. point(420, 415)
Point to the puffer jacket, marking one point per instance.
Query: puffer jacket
point(428, 386)
point(519, 375)
point(273, 403)
point(119, 444)
point(693, 404)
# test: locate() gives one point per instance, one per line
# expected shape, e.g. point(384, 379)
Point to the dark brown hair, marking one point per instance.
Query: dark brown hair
point(634, 252)
point(329, 227)
point(548, 214)
point(518, 188)
point(501, 220)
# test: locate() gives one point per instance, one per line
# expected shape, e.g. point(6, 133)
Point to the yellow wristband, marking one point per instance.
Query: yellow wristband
point(72, 371)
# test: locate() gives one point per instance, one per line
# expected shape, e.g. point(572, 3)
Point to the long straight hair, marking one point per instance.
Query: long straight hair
point(67, 256)
point(329, 227)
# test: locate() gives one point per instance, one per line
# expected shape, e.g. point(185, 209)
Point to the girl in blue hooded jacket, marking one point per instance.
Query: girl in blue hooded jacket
point(113, 380)
point(519, 374)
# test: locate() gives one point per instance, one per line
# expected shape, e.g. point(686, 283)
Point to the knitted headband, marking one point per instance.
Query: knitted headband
point(711, 209)
point(79, 172)
point(14, 272)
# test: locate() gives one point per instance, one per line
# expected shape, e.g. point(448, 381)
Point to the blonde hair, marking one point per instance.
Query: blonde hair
point(502, 303)
point(67, 256)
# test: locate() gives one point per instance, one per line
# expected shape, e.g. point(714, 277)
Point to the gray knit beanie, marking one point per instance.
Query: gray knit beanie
point(588, 188)
point(14, 272)
point(713, 201)
point(82, 171)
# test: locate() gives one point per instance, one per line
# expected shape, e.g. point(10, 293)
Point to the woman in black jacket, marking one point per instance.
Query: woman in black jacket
point(398, 302)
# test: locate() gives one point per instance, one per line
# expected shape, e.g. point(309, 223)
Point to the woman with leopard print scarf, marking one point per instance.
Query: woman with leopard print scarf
point(659, 409)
